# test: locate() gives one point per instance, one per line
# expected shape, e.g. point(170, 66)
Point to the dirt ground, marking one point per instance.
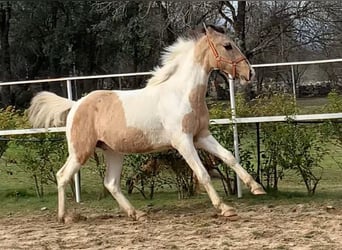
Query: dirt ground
point(299, 226)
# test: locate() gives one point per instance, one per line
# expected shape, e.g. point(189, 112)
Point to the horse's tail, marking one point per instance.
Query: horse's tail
point(48, 110)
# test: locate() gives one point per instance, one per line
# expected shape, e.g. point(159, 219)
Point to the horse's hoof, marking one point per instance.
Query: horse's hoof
point(230, 215)
point(68, 219)
point(258, 191)
point(71, 218)
point(140, 216)
point(61, 220)
point(232, 218)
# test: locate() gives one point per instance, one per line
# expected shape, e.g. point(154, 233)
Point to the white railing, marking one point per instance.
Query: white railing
point(218, 121)
point(234, 120)
point(296, 63)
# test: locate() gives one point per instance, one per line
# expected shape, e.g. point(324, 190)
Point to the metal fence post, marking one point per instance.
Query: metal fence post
point(293, 84)
point(235, 132)
point(77, 175)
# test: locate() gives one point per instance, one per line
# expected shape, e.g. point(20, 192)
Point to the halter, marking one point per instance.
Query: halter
point(220, 59)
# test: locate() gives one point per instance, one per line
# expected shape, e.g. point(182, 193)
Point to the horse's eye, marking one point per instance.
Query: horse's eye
point(228, 46)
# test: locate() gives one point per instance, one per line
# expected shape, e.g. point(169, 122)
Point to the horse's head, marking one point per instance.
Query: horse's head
point(223, 54)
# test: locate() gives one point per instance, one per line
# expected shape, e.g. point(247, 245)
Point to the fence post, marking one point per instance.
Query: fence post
point(259, 174)
point(77, 175)
point(235, 133)
point(293, 84)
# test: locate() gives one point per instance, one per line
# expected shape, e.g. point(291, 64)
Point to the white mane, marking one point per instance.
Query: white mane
point(171, 58)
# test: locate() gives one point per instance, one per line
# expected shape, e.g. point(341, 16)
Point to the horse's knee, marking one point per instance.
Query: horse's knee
point(61, 181)
point(203, 177)
point(230, 159)
point(65, 174)
point(112, 186)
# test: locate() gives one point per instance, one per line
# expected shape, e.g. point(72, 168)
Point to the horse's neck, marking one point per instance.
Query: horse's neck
point(187, 80)
point(190, 76)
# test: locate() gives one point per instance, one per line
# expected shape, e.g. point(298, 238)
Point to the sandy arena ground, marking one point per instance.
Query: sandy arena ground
point(259, 227)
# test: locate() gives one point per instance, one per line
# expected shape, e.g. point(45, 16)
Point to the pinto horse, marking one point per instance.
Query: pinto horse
point(170, 112)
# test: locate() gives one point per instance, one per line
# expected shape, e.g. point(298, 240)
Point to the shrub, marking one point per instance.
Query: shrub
point(224, 135)
point(294, 147)
point(334, 129)
point(9, 119)
point(40, 156)
point(146, 173)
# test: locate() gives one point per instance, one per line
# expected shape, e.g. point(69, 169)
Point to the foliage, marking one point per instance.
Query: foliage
point(333, 129)
point(335, 106)
point(269, 155)
point(273, 104)
point(289, 146)
point(40, 156)
point(9, 118)
point(268, 105)
point(293, 147)
point(59, 38)
point(334, 102)
point(146, 173)
point(224, 135)
point(281, 142)
point(303, 150)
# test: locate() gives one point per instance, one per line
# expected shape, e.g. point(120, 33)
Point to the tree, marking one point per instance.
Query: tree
point(59, 38)
point(274, 31)
point(5, 59)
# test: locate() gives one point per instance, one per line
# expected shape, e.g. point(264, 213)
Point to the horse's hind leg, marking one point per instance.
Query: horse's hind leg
point(112, 179)
point(64, 176)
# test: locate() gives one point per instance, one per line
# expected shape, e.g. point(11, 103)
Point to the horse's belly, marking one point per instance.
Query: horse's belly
point(134, 140)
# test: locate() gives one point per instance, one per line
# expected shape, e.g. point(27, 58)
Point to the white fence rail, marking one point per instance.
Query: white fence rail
point(296, 63)
point(280, 118)
point(216, 121)
point(234, 120)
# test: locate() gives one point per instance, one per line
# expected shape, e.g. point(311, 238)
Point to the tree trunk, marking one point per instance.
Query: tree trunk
point(240, 30)
point(170, 33)
point(240, 25)
point(5, 61)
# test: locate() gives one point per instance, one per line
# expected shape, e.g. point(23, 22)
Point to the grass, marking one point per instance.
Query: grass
point(311, 105)
point(17, 195)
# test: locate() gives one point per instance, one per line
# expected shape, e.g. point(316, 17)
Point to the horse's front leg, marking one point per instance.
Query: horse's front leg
point(211, 145)
point(184, 145)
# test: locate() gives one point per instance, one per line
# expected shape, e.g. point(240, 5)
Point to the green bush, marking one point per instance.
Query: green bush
point(224, 135)
point(40, 156)
point(334, 128)
point(9, 119)
point(275, 104)
point(284, 146)
point(295, 147)
point(290, 146)
point(147, 173)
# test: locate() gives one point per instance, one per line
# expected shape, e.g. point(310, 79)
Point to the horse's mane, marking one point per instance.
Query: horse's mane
point(170, 60)
point(172, 55)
